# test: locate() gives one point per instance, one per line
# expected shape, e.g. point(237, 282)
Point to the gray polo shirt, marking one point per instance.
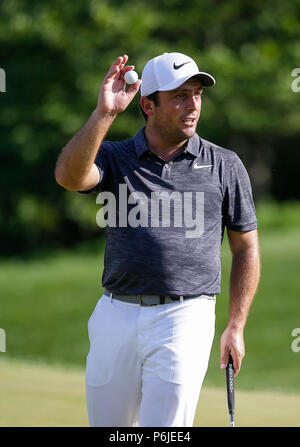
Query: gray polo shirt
point(165, 220)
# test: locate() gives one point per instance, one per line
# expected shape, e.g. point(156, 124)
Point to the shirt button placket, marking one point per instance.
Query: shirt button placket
point(167, 170)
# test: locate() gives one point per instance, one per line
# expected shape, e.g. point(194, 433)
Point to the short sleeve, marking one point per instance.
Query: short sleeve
point(101, 161)
point(238, 206)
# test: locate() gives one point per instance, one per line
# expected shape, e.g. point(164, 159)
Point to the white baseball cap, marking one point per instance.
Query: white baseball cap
point(169, 71)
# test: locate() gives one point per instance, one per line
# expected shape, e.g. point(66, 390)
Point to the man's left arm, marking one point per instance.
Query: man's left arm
point(245, 272)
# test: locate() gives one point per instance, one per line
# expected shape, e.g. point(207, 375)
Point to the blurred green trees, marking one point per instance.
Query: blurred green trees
point(55, 55)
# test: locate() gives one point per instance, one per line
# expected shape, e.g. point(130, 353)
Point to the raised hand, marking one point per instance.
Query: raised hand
point(113, 97)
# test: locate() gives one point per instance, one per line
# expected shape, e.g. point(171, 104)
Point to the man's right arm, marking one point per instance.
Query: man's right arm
point(75, 169)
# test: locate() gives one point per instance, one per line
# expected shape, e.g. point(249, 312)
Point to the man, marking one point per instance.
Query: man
point(168, 196)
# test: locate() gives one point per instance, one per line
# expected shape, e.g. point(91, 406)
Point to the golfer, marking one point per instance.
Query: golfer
point(167, 197)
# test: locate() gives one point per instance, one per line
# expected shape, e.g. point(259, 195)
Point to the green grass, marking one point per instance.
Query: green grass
point(46, 303)
point(55, 397)
point(36, 395)
point(269, 363)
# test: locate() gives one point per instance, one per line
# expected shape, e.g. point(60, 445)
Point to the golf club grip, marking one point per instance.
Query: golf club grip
point(230, 385)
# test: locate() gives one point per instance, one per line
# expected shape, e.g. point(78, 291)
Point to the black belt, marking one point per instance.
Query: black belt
point(153, 300)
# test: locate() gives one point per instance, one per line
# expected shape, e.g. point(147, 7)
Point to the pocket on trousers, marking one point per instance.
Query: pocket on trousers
point(91, 320)
point(101, 359)
point(105, 341)
point(192, 342)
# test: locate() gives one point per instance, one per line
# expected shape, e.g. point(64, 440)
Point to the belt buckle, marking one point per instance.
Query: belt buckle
point(141, 303)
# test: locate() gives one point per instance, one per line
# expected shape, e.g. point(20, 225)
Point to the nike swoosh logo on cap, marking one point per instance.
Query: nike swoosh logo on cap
point(176, 67)
point(202, 166)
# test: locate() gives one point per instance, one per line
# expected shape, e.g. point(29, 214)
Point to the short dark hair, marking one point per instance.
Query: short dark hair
point(153, 97)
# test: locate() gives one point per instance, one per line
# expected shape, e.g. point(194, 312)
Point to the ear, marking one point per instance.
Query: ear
point(147, 106)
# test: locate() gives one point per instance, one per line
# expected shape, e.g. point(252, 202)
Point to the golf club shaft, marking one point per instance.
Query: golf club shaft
point(230, 389)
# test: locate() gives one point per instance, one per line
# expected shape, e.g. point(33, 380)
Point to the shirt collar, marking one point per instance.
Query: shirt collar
point(193, 144)
point(140, 142)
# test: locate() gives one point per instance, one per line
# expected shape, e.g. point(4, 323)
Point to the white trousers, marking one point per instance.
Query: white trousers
point(146, 365)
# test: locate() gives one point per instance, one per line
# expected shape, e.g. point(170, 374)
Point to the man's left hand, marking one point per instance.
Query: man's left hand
point(232, 342)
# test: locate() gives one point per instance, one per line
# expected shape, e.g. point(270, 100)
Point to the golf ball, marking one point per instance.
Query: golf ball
point(131, 77)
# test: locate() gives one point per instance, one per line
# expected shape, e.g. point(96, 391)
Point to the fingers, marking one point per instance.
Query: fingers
point(224, 359)
point(236, 363)
point(123, 71)
point(118, 70)
point(117, 66)
point(232, 343)
point(134, 88)
point(128, 68)
point(113, 89)
point(236, 359)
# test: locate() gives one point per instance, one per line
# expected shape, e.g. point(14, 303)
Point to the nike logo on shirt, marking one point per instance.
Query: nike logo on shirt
point(201, 166)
